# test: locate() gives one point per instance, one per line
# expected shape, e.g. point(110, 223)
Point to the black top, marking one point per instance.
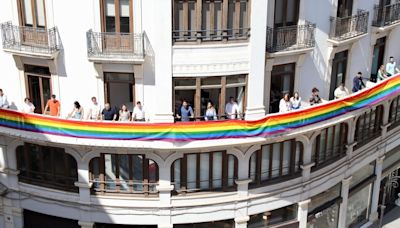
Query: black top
point(109, 114)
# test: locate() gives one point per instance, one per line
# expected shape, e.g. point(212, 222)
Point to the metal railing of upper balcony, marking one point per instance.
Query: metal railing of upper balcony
point(291, 37)
point(210, 35)
point(343, 28)
point(386, 15)
point(30, 39)
point(111, 45)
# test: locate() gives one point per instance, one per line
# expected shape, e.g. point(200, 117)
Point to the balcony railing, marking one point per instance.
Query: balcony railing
point(107, 45)
point(348, 27)
point(291, 37)
point(210, 35)
point(386, 15)
point(29, 39)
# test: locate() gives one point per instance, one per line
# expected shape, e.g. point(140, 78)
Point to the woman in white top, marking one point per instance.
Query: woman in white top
point(382, 75)
point(211, 113)
point(124, 114)
point(295, 101)
point(28, 107)
point(284, 104)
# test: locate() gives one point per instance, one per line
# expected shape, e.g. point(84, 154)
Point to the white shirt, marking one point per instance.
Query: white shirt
point(339, 93)
point(284, 106)
point(138, 114)
point(231, 110)
point(95, 110)
point(3, 101)
point(296, 103)
point(28, 107)
point(391, 67)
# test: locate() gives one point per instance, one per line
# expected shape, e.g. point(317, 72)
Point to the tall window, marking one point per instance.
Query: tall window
point(338, 75)
point(276, 160)
point(123, 173)
point(282, 81)
point(198, 91)
point(117, 16)
point(32, 13)
point(368, 126)
point(330, 145)
point(286, 12)
point(210, 19)
point(38, 86)
point(394, 113)
point(47, 166)
point(204, 171)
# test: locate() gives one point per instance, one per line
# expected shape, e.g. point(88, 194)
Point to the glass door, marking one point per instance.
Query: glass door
point(338, 74)
point(377, 58)
point(282, 82)
point(120, 89)
point(39, 91)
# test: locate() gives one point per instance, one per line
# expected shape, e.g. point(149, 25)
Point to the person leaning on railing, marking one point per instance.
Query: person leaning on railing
point(185, 112)
point(54, 105)
point(232, 109)
point(211, 113)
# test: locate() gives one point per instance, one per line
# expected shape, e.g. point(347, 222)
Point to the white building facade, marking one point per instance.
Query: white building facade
point(161, 52)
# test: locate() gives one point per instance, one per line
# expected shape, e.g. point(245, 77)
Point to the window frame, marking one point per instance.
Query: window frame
point(21, 14)
point(394, 113)
point(366, 134)
point(103, 5)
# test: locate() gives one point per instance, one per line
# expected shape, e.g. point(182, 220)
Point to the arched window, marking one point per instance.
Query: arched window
point(368, 126)
point(46, 166)
point(276, 161)
point(394, 113)
point(204, 171)
point(330, 145)
point(123, 173)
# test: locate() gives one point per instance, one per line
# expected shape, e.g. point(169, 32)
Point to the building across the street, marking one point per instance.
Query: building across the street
point(182, 113)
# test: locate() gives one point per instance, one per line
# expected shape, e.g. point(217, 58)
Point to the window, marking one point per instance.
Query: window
point(275, 161)
point(32, 13)
point(213, 224)
point(38, 80)
point(119, 89)
point(199, 91)
point(282, 217)
point(123, 173)
point(34, 219)
point(378, 57)
point(339, 69)
point(330, 145)
point(282, 82)
point(47, 166)
point(117, 16)
point(345, 8)
point(210, 20)
point(286, 12)
point(368, 126)
point(204, 171)
point(394, 113)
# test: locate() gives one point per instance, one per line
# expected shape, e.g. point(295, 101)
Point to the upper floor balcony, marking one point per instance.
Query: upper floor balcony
point(386, 16)
point(30, 41)
point(296, 38)
point(115, 47)
point(347, 29)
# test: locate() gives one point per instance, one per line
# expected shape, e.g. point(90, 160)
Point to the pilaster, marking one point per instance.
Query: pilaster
point(376, 189)
point(343, 205)
point(302, 213)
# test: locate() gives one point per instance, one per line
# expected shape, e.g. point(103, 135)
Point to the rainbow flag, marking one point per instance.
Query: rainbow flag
point(190, 131)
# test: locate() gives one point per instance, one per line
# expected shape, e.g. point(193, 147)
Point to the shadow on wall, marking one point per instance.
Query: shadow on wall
point(149, 62)
point(60, 63)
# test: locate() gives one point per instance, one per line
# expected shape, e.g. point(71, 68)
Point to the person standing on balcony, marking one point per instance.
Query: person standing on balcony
point(77, 111)
point(391, 68)
point(211, 113)
point(185, 112)
point(341, 91)
point(124, 114)
point(54, 105)
point(138, 112)
point(28, 107)
point(295, 101)
point(3, 100)
point(94, 110)
point(285, 104)
point(382, 74)
point(109, 113)
point(358, 83)
point(232, 109)
point(315, 99)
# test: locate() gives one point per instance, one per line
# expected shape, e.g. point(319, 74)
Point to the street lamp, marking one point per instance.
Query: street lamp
point(392, 182)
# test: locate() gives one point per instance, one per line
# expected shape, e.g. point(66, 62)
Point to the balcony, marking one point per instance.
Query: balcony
point(115, 47)
point(348, 29)
point(30, 42)
point(297, 38)
point(386, 16)
point(210, 35)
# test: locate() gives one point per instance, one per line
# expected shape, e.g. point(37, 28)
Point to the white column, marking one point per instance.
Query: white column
point(267, 83)
point(302, 213)
point(161, 41)
point(85, 224)
point(164, 193)
point(343, 205)
point(255, 87)
point(139, 84)
point(241, 222)
point(84, 193)
point(12, 214)
point(376, 189)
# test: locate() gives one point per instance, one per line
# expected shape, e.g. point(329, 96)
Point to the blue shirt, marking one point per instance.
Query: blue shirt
point(186, 113)
point(357, 84)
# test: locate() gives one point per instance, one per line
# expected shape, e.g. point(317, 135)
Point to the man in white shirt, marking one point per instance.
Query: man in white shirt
point(138, 112)
point(232, 109)
point(3, 100)
point(28, 107)
point(341, 91)
point(95, 110)
point(391, 66)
